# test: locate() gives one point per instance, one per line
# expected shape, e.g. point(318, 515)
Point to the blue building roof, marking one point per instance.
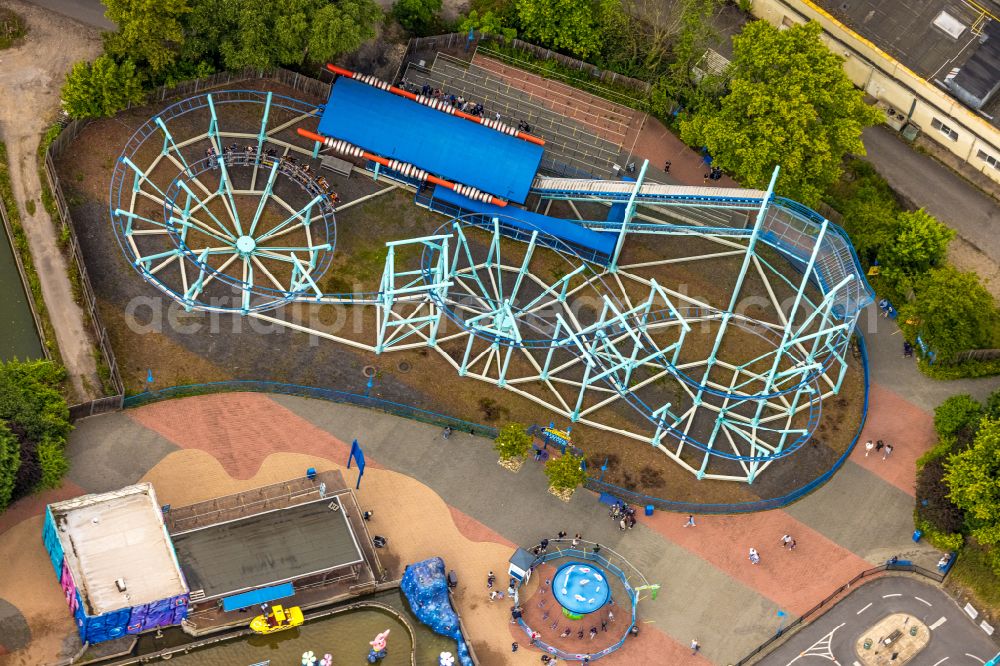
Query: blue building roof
point(257, 597)
point(449, 147)
point(567, 231)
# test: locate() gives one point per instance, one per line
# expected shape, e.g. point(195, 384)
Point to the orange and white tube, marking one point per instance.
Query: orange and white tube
point(405, 168)
point(437, 104)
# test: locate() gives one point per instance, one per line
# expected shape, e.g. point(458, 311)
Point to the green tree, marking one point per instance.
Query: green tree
point(972, 481)
point(921, 243)
point(417, 16)
point(789, 103)
point(565, 25)
point(34, 412)
point(101, 88)
point(150, 32)
point(952, 312)
point(513, 441)
point(10, 462)
point(957, 414)
point(489, 23)
point(696, 33)
point(565, 472)
point(342, 27)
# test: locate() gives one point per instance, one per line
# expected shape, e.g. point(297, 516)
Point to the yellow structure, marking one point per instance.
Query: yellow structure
point(278, 619)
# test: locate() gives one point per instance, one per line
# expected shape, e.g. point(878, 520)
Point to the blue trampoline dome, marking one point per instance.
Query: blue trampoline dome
point(447, 146)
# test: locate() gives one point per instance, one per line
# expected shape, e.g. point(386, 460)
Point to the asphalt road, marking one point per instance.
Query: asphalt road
point(931, 185)
point(90, 12)
point(955, 639)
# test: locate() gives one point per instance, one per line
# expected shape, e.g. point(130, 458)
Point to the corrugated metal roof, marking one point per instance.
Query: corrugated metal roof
point(446, 146)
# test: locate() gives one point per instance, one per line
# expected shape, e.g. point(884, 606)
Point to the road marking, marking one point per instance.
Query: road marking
point(971, 612)
point(937, 624)
point(975, 657)
point(863, 609)
point(923, 601)
point(942, 661)
point(886, 596)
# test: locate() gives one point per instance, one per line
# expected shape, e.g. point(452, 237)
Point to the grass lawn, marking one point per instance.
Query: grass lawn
point(974, 576)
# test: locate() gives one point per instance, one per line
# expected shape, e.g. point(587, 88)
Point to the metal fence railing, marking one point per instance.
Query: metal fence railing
point(89, 298)
point(816, 611)
point(399, 409)
point(62, 143)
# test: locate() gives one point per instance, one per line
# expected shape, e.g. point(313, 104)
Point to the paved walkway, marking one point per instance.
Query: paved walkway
point(711, 592)
point(31, 78)
point(945, 195)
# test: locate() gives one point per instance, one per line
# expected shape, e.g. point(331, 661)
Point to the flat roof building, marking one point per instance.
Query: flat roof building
point(267, 549)
point(115, 562)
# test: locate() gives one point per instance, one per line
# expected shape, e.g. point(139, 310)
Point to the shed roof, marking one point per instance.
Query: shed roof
point(118, 535)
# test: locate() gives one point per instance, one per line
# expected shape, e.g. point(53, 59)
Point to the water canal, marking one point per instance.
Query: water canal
point(18, 336)
point(344, 635)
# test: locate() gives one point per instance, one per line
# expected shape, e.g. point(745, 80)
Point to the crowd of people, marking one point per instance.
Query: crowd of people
point(456, 101)
point(236, 155)
point(623, 514)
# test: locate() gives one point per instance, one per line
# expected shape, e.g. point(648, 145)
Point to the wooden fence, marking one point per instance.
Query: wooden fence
point(453, 39)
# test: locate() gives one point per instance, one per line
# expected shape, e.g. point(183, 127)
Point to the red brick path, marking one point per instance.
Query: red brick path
point(794, 580)
point(239, 429)
point(908, 428)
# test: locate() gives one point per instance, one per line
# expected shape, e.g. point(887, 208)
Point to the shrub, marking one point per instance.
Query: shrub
point(10, 462)
point(957, 414)
point(417, 16)
point(933, 504)
point(565, 472)
point(52, 463)
point(941, 540)
point(513, 441)
point(101, 88)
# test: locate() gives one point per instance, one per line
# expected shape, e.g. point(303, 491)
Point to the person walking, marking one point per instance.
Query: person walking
point(791, 546)
point(869, 445)
point(622, 524)
point(888, 451)
point(666, 166)
point(878, 445)
point(490, 579)
point(576, 540)
point(786, 540)
point(690, 521)
point(695, 647)
point(754, 556)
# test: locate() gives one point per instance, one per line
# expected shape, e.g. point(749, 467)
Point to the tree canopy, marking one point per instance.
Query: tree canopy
point(150, 32)
point(972, 479)
point(920, 243)
point(101, 88)
point(167, 38)
point(565, 472)
point(788, 104)
point(417, 16)
point(567, 25)
point(34, 424)
point(513, 441)
point(952, 312)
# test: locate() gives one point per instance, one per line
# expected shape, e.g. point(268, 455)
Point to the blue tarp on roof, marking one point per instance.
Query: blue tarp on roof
point(452, 148)
point(257, 597)
point(565, 230)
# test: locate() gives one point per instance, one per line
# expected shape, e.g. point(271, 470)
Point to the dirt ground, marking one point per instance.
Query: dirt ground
point(144, 331)
point(31, 77)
